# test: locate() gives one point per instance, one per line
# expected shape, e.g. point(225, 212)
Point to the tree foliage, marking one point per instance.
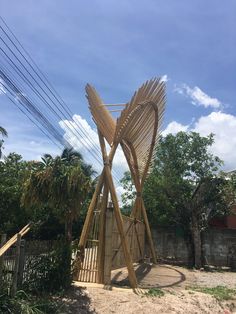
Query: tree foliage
point(48, 219)
point(183, 189)
point(13, 171)
point(60, 184)
point(184, 176)
point(128, 196)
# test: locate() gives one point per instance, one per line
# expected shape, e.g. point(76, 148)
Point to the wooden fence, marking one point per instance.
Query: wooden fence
point(16, 261)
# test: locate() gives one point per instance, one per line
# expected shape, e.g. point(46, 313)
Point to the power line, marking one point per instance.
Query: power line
point(56, 96)
point(46, 102)
point(17, 94)
point(38, 83)
point(38, 126)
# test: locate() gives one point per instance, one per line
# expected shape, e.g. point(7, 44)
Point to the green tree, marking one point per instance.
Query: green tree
point(60, 184)
point(3, 133)
point(13, 171)
point(183, 190)
point(129, 195)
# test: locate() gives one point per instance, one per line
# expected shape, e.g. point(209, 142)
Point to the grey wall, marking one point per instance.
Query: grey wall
point(219, 246)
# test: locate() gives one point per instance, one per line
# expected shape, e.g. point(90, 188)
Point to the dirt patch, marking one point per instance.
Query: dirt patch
point(172, 280)
point(166, 276)
point(106, 302)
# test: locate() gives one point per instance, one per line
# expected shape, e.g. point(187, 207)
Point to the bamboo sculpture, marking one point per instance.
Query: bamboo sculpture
point(136, 131)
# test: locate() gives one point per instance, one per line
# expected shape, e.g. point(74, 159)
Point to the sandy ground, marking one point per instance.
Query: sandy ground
point(171, 279)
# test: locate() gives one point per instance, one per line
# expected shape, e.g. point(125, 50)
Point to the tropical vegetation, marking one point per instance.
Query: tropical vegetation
point(184, 188)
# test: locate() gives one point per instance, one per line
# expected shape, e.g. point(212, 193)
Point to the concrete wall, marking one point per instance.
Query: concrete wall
point(219, 246)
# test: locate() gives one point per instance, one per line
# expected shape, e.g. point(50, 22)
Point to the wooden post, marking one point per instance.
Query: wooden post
point(16, 266)
point(21, 263)
point(3, 238)
point(108, 246)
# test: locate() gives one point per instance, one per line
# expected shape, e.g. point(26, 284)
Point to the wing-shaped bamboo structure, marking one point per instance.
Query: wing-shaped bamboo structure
point(139, 125)
point(136, 130)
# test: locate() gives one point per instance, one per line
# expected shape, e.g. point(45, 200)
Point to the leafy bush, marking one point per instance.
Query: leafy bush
point(49, 272)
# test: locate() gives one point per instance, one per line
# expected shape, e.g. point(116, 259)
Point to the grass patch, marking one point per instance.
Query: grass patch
point(154, 292)
point(221, 293)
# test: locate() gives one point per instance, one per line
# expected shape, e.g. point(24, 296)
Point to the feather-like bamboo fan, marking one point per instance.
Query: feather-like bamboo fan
point(104, 120)
point(137, 127)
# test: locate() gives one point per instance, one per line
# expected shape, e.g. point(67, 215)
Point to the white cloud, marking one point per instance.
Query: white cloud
point(174, 127)
point(164, 78)
point(197, 96)
point(120, 190)
point(30, 150)
point(223, 125)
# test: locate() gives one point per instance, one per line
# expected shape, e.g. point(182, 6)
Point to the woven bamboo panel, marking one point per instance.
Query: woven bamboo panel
point(135, 239)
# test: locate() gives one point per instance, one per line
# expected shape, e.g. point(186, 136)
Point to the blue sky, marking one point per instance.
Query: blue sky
point(116, 46)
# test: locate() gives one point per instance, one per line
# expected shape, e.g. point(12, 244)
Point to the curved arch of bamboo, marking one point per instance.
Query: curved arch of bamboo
point(136, 131)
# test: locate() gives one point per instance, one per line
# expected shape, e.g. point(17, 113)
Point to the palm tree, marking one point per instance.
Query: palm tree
point(3, 133)
point(61, 184)
point(73, 157)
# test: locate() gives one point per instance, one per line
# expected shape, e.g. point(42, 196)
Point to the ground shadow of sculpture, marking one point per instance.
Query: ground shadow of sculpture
point(150, 276)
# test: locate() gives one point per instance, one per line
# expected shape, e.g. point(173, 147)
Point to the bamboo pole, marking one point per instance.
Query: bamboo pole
point(89, 215)
point(149, 234)
point(101, 238)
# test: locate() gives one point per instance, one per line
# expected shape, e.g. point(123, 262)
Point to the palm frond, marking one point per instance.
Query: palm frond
point(3, 131)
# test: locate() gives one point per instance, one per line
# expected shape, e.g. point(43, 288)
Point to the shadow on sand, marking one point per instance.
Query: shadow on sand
point(149, 275)
point(77, 301)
